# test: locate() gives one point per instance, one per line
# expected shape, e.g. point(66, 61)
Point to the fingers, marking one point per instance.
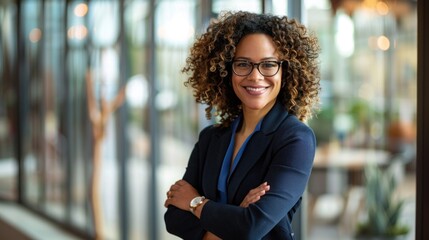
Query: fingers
point(176, 186)
point(263, 187)
point(176, 190)
point(169, 197)
point(255, 194)
point(260, 190)
point(180, 182)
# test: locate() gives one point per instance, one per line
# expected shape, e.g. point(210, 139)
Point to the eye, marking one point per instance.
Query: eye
point(242, 64)
point(269, 64)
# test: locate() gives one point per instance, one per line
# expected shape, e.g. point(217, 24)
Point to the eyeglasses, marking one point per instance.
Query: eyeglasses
point(243, 68)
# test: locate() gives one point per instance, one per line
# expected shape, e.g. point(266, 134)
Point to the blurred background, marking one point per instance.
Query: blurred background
point(48, 48)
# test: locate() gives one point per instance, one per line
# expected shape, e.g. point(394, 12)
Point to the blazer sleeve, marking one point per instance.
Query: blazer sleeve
point(291, 162)
point(183, 223)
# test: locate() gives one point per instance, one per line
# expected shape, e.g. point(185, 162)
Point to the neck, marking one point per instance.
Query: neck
point(251, 118)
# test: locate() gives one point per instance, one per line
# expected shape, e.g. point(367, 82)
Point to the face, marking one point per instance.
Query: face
point(255, 91)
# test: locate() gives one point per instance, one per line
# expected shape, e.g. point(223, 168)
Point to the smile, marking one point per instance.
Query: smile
point(256, 90)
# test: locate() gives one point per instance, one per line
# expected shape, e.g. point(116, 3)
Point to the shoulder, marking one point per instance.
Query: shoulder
point(293, 123)
point(294, 129)
point(295, 143)
point(210, 132)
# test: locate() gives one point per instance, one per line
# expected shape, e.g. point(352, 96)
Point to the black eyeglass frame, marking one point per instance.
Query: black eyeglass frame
point(279, 65)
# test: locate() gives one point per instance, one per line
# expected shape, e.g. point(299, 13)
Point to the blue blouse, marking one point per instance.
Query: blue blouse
point(227, 169)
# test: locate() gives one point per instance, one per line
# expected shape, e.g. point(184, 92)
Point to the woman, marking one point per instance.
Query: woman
point(246, 175)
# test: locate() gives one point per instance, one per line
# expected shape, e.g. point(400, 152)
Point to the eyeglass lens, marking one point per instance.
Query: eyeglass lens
point(267, 68)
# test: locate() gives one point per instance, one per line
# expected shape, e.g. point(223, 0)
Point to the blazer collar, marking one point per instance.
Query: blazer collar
point(274, 118)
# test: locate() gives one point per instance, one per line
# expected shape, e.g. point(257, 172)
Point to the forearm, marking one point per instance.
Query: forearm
point(183, 224)
point(234, 222)
point(256, 220)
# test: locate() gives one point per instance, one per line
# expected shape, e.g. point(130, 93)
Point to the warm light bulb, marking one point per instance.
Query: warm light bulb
point(383, 43)
point(382, 8)
point(81, 10)
point(35, 35)
point(78, 32)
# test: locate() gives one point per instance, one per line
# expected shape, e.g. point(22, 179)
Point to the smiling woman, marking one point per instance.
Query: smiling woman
point(246, 175)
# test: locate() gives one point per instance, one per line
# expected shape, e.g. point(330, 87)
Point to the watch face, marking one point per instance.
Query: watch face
point(196, 201)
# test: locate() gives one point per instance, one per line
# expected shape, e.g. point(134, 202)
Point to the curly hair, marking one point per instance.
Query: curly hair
point(209, 63)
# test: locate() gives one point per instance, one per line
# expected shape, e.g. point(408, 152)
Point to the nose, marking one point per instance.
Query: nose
point(255, 74)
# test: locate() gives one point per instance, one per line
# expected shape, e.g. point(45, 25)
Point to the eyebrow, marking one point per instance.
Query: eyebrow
point(263, 59)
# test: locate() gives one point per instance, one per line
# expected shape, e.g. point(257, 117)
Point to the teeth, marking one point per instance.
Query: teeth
point(255, 89)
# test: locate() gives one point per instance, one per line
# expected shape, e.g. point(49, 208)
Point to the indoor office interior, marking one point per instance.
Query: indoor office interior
point(60, 59)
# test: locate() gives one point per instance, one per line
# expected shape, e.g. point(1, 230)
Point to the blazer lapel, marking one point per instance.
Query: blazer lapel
point(213, 163)
point(256, 147)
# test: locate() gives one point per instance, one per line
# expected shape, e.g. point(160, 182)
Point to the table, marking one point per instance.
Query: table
point(350, 158)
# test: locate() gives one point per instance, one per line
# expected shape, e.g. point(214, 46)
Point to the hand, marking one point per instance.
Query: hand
point(210, 236)
point(180, 195)
point(255, 194)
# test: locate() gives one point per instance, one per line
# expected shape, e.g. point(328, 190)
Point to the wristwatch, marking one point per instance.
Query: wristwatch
point(197, 201)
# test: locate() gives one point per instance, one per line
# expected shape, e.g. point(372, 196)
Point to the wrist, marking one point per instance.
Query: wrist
point(195, 203)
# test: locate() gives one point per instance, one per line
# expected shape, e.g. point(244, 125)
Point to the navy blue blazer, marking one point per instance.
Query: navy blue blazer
point(281, 153)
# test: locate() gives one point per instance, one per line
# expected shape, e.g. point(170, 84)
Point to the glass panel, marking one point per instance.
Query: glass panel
point(79, 133)
point(45, 140)
point(368, 113)
point(33, 154)
point(8, 101)
point(137, 129)
point(53, 110)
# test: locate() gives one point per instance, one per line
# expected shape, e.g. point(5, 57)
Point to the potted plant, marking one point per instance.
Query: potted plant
point(383, 209)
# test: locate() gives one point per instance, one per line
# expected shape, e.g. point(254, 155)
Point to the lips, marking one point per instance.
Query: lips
point(256, 90)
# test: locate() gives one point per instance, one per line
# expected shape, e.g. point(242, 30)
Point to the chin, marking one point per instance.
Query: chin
point(257, 106)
